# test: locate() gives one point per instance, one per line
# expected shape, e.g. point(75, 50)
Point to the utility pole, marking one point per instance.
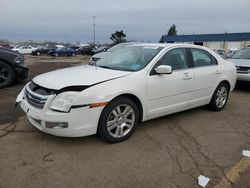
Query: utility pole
point(94, 30)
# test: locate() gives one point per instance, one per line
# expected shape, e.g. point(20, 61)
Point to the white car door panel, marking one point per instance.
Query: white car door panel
point(168, 93)
point(207, 74)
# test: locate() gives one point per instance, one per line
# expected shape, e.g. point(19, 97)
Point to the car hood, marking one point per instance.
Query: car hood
point(240, 62)
point(84, 75)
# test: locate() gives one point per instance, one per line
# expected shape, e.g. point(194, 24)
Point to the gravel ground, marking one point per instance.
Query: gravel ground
point(171, 151)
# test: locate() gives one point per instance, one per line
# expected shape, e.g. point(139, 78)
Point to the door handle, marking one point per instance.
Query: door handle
point(187, 76)
point(217, 72)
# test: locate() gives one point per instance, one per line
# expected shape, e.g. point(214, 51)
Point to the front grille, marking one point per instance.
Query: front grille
point(243, 69)
point(36, 95)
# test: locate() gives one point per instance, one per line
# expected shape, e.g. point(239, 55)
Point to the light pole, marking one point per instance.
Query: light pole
point(94, 30)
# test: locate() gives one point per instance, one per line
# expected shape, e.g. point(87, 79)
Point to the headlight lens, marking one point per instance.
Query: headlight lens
point(18, 59)
point(64, 101)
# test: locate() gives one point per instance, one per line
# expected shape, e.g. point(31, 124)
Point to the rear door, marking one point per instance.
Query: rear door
point(207, 74)
point(168, 93)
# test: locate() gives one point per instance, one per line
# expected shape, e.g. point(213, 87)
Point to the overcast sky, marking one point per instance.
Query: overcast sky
point(141, 20)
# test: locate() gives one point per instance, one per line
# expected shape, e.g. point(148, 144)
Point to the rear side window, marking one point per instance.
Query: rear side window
point(202, 58)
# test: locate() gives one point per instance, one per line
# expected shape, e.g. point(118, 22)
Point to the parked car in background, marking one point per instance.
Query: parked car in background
point(84, 50)
point(135, 83)
point(43, 50)
point(231, 52)
point(98, 50)
point(62, 52)
point(221, 52)
point(12, 67)
point(24, 49)
point(241, 59)
point(74, 47)
point(103, 54)
point(59, 46)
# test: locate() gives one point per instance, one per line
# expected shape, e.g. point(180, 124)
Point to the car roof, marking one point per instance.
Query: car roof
point(173, 45)
point(167, 45)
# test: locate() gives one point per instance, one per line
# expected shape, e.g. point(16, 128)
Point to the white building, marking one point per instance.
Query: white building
point(224, 41)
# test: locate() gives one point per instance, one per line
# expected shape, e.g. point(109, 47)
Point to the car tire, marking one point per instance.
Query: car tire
point(7, 75)
point(73, 54)
point(220, 97)
point(56, 55)
point(38, 53)
point(118, 120)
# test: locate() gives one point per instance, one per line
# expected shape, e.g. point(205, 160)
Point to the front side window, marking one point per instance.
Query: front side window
point(176, 58)
point(202, 58)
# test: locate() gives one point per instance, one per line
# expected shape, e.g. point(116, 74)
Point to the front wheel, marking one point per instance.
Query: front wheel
point(118, 120)
point(220, 97)
point(6, 75)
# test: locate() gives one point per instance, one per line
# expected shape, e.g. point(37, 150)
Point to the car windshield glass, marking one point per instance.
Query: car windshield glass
point(242, 54)
point(116, 47)
point(129, 58)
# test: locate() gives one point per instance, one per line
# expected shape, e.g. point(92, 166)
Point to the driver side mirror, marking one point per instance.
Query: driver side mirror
point(163, 69)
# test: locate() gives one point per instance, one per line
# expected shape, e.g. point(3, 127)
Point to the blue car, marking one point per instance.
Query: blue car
point(62, 52)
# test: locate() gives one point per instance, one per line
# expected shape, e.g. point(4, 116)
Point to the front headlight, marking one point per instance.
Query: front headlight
point(18, 59)
point(64, 101)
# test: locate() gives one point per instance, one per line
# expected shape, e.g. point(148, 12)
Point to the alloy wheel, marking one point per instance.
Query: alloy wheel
point(120, 121)
point(221, 96)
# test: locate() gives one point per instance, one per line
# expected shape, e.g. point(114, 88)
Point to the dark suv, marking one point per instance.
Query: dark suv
point(12, 67)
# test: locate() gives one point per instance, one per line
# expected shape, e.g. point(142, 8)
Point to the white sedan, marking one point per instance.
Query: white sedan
point(24, 49)
point(136, 83)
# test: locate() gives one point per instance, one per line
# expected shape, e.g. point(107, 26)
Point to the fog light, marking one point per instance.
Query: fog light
point(56, 125)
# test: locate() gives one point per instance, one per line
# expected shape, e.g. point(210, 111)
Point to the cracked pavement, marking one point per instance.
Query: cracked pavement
point(171, 151)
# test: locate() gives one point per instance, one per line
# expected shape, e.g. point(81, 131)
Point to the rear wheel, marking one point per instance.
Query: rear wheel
point(6, 75)
point(73, 54)
point(38, 53)
point(56, 54)
point(220, 97)
point(118, 120)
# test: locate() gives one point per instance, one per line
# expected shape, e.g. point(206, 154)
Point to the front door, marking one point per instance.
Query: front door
point(169, 93)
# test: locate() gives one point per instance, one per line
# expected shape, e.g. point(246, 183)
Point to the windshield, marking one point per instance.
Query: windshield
point(116, 47)
point(129, 58)
point(242, 54)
